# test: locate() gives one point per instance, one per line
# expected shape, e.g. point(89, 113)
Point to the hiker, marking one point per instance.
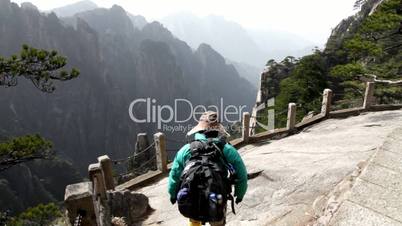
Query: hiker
point(203, 173)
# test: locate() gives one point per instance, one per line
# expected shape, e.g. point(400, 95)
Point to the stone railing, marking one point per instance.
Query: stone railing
point(93, 197)
point(293, 127)
point(96, 201)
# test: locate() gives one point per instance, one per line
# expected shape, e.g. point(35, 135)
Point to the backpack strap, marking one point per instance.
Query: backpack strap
point(195, 147)
point(220, 147)
point(232, 202)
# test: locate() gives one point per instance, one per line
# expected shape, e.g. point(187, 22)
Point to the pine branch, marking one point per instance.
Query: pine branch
point(39, 66)
point(374, 79)
point(8, 163)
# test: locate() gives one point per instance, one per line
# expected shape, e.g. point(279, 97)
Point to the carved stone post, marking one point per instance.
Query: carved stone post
point(291, 122)
point(96, 176)
point(368, 96)
point(106, 165)
point(102, 211)
point(326, 102)
point(142, 142)
point(271, 114)
point(161, 153)
point(140, 145)
point(78, 200)
point(246, 127)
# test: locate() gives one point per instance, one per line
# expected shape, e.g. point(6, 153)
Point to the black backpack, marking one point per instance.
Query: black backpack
point(206, 182)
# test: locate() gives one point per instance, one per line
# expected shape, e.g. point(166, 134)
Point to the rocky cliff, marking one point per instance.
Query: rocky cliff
point(363, 47)
point(119, 62)
point(70, 10)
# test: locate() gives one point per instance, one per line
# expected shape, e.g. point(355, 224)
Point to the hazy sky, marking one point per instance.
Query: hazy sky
point(310, 19)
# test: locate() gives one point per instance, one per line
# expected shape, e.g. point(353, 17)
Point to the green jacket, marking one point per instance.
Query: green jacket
point(231, 155)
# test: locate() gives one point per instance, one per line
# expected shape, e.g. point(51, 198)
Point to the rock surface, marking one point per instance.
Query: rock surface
point(376, 198)
point(78, 200)
point(296, 171)
point(118, 64)
point(129, 205)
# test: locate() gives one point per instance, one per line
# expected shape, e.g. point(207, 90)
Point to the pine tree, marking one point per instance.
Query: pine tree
point(42, 68)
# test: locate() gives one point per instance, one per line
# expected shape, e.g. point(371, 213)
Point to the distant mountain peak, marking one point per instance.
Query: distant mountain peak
point(113, 20)
point(204, 46)
point(207, 53)
point(117, 8)
point(157, 28)
point(138, 20)
point(29, 5)
point(156, 24)
point(85, 3)
point(72, 9)
point(251, 47)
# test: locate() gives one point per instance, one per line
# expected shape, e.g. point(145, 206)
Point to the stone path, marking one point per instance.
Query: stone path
point(297, 171)
point(376, 198)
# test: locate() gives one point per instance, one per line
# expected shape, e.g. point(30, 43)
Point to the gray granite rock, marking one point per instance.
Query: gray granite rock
point(351, 214)
point(383, 176)
point(297, 170)
point(378, 198)
point(133, 207)
point(78, 200)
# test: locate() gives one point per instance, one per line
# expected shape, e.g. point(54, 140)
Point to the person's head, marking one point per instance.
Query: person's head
point(209, 121)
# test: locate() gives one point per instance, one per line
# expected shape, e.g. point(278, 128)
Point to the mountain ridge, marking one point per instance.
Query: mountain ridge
point(119, 63)
point(71, 9)
point(252, 47)
point(360, 48)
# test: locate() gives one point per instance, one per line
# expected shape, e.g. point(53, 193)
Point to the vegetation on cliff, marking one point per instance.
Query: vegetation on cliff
point(87, 117)
point(375, 48)
point(362, 47)
point(40, 215)
point(41, 67)
point(23, 149)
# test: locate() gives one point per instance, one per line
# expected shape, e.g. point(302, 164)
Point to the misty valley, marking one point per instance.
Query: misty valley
point(100, 107)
